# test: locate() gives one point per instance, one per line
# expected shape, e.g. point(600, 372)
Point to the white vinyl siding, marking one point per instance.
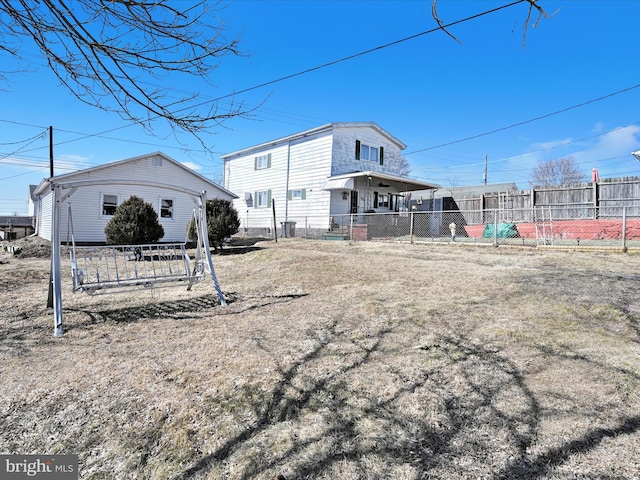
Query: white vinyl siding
point(46, 214)
point(86, 202)
point(300, 167)
point(348, 143)
point(309, 162)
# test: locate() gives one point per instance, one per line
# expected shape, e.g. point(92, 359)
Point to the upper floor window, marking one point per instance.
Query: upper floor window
point(261, 162)
point(109, 204)
point(370, 153)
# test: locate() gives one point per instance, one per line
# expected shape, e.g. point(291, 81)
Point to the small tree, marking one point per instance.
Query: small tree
point(558, 172)
point(222, 222)
point(134, 222)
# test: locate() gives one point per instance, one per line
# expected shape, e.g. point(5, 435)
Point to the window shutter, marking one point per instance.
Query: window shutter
point(290, 195)
point(381, 155)
point(269, 161)
point(357, 149)
point(255, 163)
point(304, 194)
point(268, 197)
point(255, 200)
point(375, 199)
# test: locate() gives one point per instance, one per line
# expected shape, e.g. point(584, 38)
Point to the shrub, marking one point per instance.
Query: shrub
point(222, 222)
point(134, 222)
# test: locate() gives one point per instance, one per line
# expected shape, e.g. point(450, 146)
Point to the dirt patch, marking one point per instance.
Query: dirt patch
point(31, 247)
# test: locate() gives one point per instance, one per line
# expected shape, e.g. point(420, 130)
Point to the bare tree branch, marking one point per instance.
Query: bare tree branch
point(118, 55)
point(533, 5)
point(434, 14)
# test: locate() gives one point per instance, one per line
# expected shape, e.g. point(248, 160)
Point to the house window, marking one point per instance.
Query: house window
point(262, 162)
point(109, 205)
point(298, 194)
point(166, 208)
point(367, 152)
point(380, 200)
point(263, 199)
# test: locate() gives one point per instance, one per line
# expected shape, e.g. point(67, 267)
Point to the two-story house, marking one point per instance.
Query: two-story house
point(318, 178)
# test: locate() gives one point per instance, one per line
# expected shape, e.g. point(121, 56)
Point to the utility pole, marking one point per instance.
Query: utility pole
point(485, 169)
point(50, 151)
point(50, 292)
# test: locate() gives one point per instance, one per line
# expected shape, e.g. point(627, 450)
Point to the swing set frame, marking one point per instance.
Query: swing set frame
point(168, 262)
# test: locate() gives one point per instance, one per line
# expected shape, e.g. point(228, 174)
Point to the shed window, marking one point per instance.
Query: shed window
point(109, 205)
point(166, 208)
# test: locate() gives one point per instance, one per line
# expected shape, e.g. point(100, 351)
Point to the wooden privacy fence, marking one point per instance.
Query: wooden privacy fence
point(604, 198)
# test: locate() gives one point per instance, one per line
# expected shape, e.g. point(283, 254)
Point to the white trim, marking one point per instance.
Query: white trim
point(172, 218)
point(102, 195)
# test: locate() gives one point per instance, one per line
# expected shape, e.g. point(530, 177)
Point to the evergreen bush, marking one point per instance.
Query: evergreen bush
point(134, 222)
point(222, 222)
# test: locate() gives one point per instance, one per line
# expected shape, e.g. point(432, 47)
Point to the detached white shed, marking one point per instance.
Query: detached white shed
point(107, 186)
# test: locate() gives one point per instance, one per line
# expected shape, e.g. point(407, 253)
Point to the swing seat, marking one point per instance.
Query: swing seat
point(95, 269)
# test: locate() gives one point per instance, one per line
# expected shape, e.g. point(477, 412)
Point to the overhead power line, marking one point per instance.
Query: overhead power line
point(535, 119)
point(366, 52)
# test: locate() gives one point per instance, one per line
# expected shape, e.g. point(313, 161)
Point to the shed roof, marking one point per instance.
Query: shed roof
point(70, 177)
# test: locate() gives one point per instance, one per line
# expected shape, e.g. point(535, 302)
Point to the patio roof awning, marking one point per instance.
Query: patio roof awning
point(347, 181)
point(339, 184)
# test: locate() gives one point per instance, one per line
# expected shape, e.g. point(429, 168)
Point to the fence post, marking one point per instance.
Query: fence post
point(624, 229)
point(351, 226)
point(411, 228)
point(495, 228)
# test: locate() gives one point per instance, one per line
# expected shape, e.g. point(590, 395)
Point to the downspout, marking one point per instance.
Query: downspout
point(286, 192)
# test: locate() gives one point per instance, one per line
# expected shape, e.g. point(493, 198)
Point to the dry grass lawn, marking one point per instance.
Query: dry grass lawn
point(335, 360)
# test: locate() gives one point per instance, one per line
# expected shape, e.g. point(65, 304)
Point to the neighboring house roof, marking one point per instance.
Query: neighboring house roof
point(471, 191)
point(402, 184)
point(314, 131)
point(16, 221)
point(69, 177)
point(475, 190)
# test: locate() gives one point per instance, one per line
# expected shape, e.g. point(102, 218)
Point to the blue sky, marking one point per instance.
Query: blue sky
point(439, 96)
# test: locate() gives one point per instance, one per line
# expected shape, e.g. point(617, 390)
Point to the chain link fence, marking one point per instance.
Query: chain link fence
point(579, 226)
point(569, 226)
